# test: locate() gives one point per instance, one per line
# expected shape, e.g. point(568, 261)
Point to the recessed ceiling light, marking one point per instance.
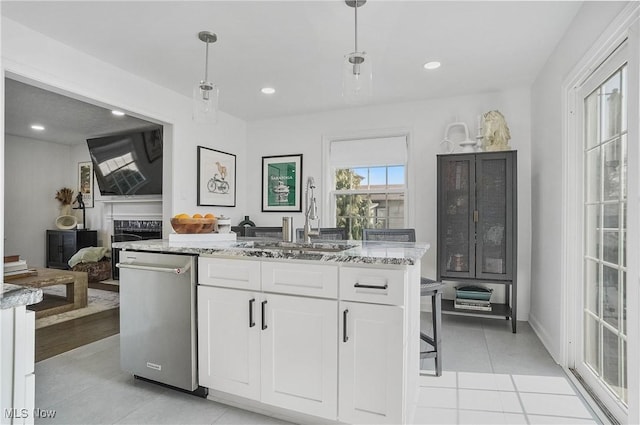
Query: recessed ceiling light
point(37, 127)
point(118, 113)
point(268, 90)
point(432, 65)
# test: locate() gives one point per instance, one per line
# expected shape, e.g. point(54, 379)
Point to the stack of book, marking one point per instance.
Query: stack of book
point(14, 267)
point(473, 298)
point(469, 304)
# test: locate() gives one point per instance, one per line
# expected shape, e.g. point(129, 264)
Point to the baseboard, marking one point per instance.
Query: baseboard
point(544, 337)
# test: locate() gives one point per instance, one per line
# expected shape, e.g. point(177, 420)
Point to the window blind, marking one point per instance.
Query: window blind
point(368, 152)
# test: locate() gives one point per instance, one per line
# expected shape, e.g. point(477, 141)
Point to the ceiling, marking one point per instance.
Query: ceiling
point(67, 121)
point(297, 46)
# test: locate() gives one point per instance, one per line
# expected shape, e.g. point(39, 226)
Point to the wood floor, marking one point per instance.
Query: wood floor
point(55, 339)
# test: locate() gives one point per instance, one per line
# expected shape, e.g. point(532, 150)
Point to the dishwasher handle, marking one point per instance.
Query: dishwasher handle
point(174, 270)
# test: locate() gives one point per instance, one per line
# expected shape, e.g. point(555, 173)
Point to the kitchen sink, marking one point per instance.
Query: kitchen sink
point(303, 247)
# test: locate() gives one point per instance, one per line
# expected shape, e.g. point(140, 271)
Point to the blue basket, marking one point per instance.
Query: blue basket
point(474, 293)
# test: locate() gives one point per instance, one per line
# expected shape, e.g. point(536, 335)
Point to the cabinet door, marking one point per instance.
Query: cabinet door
point(456, 206)
point(371, 363)
point(495, 204)
point(60, 247)
point(299, 354)
point(69, 246)
point(229, 341)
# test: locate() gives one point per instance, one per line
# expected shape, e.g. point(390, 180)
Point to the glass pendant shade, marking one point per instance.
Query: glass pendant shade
point(357, 78)
point(205, 102)
point(205, 93)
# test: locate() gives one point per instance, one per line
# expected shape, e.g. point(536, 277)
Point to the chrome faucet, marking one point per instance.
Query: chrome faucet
point(311, 211)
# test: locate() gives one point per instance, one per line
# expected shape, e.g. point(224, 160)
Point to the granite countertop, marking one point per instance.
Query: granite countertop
point(357, 252)
point(16, 296)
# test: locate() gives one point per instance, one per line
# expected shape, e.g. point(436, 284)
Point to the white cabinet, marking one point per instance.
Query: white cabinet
point(229, 341)
point(236, 274)
point(300, 279)
point(371, 363)
point(17, 353)
point(299, 354)
point(277, 349)
point(325, 340)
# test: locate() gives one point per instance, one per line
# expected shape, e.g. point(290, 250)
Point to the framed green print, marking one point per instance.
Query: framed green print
point(282, 183)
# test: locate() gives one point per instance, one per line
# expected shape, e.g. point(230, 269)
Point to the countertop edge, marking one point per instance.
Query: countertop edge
point(16, 296)
point(407, 254)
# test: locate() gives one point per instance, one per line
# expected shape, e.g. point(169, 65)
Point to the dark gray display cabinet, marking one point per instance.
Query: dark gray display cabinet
point(477, 225)
point(62, 244)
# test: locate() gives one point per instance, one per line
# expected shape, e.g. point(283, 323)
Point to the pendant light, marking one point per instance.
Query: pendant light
point(357, 73)
point(205, 93)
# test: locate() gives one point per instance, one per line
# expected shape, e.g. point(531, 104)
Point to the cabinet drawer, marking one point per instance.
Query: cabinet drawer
point(300, 279)
point(373, 285)
point(238, 274)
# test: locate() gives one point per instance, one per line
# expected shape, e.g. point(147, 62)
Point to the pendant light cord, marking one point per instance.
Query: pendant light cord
point(206, 62)
point(356, 27)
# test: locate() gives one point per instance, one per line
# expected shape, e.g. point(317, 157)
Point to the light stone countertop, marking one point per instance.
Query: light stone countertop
point(368, 252)
point(15, 296)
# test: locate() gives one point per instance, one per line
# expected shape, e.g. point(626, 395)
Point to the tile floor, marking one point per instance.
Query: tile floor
point(491, 376)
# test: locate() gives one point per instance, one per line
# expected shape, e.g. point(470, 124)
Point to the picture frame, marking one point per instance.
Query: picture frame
point(153, 145)
point(282, 183)
point(85, 182)
point(216, 178)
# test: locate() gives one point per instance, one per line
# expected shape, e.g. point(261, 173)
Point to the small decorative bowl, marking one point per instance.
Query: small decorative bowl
point(193, 225)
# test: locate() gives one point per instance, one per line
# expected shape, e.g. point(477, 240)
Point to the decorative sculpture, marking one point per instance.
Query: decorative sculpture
point(496, 132)
point(466, 144)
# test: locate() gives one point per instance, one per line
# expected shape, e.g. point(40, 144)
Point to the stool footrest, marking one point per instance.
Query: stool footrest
point(428, 354)
point(426, 338)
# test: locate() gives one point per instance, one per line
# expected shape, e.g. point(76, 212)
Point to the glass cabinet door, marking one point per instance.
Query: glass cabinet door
point(456, 203)
point(494, 221)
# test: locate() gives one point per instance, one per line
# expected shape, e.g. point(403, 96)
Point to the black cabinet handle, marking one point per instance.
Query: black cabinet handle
point(251, 322)
point(345, 338)
point(357, 285)
point(264, 319)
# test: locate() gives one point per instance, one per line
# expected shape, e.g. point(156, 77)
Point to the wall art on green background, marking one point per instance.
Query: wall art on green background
point(282, 183)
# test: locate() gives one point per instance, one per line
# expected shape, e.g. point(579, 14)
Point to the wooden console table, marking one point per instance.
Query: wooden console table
point(76, 290)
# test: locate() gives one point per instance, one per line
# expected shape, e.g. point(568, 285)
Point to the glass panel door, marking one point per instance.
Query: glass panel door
point(457, 203)
point(603, 358)
point(494, 221)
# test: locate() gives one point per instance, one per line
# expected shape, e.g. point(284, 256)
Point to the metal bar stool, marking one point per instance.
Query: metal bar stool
point(433, 289)
point(428, 288)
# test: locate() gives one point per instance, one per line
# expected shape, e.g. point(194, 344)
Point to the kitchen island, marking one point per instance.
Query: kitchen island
point(320, 332)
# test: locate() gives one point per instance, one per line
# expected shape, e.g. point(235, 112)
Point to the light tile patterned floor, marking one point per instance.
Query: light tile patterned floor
point(491, 376)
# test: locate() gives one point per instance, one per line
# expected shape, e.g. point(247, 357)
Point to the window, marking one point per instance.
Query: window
point(368, 187)
point(605, 209)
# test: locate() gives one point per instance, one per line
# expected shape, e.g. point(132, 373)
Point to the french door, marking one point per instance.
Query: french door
point(601, 352)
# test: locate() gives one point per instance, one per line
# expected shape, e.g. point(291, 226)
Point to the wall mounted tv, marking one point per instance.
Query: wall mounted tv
point(128, 164)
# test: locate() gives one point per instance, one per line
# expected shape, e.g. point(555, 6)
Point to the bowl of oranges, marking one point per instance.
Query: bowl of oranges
point(197, 223)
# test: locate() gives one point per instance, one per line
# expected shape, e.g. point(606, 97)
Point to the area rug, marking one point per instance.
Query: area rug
point(98, 300)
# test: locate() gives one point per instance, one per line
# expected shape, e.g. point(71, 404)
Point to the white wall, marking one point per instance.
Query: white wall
point(426, 121)
point(546, 178)
point(39, 60)
point(33, 172)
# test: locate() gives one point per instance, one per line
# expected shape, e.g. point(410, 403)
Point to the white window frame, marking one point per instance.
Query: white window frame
point(625, 26)
point(328, 172)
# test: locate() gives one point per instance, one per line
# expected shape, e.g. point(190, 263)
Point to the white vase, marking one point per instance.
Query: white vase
point(65, 210)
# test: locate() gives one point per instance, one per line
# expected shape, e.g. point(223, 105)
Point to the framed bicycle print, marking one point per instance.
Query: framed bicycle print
point(216, 178)
point(282, 183)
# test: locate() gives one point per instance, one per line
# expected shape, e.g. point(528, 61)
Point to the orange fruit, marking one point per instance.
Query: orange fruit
point(209, 215)
point(196, 215)
point(183, 215)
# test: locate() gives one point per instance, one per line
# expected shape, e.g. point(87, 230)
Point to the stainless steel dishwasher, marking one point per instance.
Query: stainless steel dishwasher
point(158, 318)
